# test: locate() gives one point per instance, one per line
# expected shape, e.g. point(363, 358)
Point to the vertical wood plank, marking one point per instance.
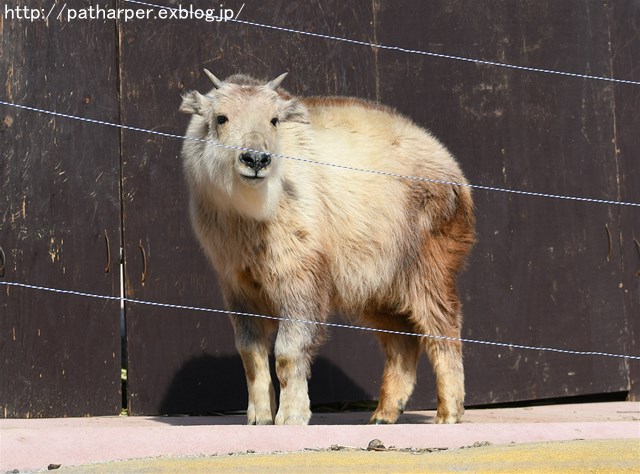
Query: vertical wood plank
point(185, 362)
point(624, 24)
point(59, 354)
point(541, 273)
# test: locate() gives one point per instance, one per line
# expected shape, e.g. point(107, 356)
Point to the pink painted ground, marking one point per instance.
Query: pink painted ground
point(34, 444)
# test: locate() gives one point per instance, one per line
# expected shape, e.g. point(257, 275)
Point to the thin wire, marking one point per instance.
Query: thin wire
point(328, 324)
point(411, 51)
point(343, 167)
point(318, 323)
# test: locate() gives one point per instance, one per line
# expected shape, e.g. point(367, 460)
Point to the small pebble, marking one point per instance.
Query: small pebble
point(375, 445)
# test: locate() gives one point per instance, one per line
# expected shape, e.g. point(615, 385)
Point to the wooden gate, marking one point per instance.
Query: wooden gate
point(545, 272)
point(59, 219)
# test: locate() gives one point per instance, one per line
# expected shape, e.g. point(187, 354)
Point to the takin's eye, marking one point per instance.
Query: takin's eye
point(221, 119)
point(275, 121)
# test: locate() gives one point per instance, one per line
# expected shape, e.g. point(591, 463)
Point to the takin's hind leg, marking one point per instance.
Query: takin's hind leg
point(445, 356)
point(441, 318)
point(399, 377)
point(252, 343)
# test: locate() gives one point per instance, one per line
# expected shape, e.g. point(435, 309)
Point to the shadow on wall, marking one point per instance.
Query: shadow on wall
point(210, 385)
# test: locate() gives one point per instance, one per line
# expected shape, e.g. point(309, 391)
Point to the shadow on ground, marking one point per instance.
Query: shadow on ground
point(210, 386)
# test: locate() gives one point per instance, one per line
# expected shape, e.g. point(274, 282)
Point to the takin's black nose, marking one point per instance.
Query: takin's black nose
point(256, 160)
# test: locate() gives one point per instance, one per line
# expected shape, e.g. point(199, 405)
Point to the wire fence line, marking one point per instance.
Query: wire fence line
point(400, 49)
point(349, 168)
point(318, 323)
point(333, 165)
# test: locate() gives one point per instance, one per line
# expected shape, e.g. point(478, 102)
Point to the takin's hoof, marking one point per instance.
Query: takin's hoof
point(384, 417)
point(448, 418)
point(293, 418)
point(380, 421)
point(261, 417)
point(260, 422)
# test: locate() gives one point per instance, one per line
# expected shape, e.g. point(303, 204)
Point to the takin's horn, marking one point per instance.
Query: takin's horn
point(277, 81)
point(217, 83)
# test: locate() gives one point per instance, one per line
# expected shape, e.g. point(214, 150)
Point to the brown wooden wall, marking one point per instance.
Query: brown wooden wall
point(59, 219)
point(545, 272)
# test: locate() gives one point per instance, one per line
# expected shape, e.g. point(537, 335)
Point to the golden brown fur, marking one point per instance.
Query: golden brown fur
point(298, 240)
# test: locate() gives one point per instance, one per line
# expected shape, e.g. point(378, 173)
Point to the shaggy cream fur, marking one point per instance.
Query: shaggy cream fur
point(300, 240)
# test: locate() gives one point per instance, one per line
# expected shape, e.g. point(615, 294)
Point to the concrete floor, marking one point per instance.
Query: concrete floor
point(599, 437)
point(561, 457)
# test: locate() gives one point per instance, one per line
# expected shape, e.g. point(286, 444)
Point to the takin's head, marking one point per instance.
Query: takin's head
point(236, 126)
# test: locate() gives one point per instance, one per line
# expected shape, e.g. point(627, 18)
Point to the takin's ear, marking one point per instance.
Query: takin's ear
point(195, 103)
point(292, 110)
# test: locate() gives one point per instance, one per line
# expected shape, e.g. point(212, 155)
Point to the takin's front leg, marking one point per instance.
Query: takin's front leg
point(294, 350)
point(252, 343)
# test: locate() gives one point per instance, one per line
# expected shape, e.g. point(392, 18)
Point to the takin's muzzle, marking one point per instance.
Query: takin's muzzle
point(255, 160)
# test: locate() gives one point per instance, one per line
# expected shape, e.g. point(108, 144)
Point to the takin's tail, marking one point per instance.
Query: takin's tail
point(460, 229)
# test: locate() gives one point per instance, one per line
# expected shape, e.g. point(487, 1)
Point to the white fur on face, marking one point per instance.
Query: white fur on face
point(217, 171)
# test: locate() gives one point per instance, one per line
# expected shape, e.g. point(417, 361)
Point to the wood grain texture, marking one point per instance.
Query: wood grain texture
point(545, 272)
point(59, 355)
point(541, 273)
point(625, 62)
point(165, 346)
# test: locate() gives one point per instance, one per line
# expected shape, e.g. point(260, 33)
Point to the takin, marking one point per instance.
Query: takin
point(292, 236)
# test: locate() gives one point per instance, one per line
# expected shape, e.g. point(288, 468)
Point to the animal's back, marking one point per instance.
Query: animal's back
point(377, 220)
point(359, 133)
